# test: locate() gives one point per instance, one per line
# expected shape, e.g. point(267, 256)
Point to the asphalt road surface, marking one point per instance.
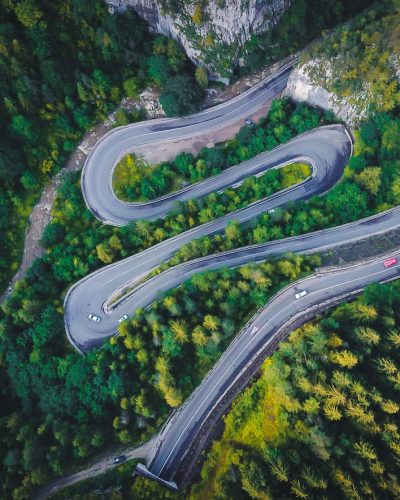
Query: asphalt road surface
point(97, 172)
point(175, 440)
point(326, 149)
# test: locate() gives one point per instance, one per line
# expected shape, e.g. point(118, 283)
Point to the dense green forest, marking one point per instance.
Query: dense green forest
point(64, 407)
point(51, 396)
point(323, 419)
point(65, 65)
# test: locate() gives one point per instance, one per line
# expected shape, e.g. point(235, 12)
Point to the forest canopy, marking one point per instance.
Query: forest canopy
point(65, 65)
point(323, 419)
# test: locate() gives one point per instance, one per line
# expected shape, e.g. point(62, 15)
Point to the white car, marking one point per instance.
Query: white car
point(92, 317)
point(123, 318)
point(301, 294)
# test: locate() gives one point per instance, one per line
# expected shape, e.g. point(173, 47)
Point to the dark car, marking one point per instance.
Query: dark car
point(119, 460)
point(249, 122)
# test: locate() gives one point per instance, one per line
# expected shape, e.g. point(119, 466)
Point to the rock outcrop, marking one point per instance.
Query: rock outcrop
point(212, 32)
point(306, 84)
point(301, 87)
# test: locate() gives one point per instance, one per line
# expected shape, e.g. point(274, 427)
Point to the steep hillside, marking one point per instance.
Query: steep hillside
point(356, 70)
point(223, 35)
point(201, 27)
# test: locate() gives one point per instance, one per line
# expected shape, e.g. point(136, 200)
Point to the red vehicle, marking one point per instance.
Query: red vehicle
point(390, 262)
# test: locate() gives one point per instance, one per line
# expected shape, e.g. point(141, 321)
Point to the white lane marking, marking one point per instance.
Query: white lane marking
point(273, 243)
point(268, 341)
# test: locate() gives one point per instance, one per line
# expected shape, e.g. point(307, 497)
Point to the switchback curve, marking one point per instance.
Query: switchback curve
point(327, 149)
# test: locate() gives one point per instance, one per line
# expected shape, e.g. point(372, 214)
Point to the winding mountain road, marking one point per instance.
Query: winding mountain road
point(97, 172)
point(326, 149)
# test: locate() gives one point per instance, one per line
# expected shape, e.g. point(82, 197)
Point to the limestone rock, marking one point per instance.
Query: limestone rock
point(225, 26)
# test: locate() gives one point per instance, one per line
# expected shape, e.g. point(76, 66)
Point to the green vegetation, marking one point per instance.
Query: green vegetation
point(114, 484)
point(323, 420)
point(303, 22)
point(62, 66)
point(169, 69)
point(51, 396)
point(65, 65)
point(135, 180)
point(360, 60)
point(58, 406)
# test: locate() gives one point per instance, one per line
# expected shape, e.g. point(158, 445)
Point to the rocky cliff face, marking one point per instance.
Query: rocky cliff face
point(301, 87)
point(212, 32)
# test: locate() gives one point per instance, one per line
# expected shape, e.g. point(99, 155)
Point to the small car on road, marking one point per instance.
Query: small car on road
point(301, 294)
point(92, 317)
point(119, 459)
point(390, 262)
point(123, 318)
point(249, 122)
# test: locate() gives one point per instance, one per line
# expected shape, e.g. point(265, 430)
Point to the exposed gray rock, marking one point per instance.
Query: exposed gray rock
point(303, 86)
point(214, 42)
point(149, 99)
point(300, 87)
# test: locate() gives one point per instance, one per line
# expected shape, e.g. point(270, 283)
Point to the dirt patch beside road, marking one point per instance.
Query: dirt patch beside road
point(163, 151)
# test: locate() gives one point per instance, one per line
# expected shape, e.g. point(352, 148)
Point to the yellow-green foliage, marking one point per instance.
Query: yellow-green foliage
point(294, 173)
point(128, 171)
point(323, 419)
point(198, 13)
point(359, 61)
point(266, 406)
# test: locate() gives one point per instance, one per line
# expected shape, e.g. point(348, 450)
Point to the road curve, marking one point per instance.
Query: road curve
point(327, 149)
point(178, 434)
point(97, 172)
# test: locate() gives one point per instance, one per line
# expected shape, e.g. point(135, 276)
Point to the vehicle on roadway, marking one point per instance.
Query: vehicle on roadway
point(301, 294)
point(93, 317)
point(119, 459)
point(390, 262)
point(123, 318)
point(249, 122)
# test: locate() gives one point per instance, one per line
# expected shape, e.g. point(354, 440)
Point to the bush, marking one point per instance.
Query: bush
point(181, 96)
